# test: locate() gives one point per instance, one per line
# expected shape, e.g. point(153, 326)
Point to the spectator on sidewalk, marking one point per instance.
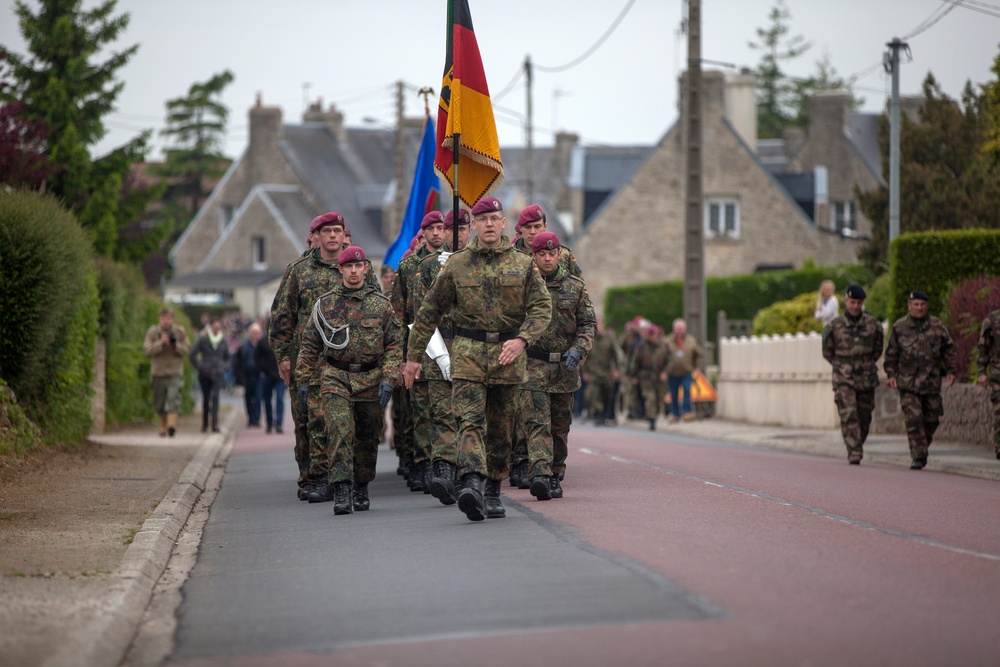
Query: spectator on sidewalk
point(988, 362)
point(683, 357)
point(210, 355)
point(272, 386)
point(247, 374)
point(166, 344)
point(827, 306)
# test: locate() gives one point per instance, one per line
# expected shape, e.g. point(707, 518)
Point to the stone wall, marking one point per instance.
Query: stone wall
point(98, 402)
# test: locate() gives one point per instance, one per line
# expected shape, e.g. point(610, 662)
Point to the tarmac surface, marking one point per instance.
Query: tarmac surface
point(89, 615)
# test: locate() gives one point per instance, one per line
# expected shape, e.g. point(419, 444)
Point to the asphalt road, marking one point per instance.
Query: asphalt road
point(664, 551)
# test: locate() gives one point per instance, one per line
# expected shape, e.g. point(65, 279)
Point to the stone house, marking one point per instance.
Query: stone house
point(757, 215)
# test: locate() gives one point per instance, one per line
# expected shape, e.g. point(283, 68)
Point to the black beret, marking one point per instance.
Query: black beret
point(856, 292)
point(917, 294)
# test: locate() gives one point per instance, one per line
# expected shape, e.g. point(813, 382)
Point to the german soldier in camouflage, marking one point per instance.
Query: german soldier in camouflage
point(352, 344)
point(531, 221)
point(645, 368)
point(988, 362)
point(443, 428)
point(853, 344)
point(304, 281)
point(553, 368)
point(602, 374)
point(919, 352)
point(498, 302)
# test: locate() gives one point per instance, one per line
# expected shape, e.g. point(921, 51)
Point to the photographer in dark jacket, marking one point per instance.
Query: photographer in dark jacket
point(247, 372)
point(210, 355)
point(271, 384)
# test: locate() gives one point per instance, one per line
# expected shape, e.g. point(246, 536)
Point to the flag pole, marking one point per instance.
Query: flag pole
point(454, 194)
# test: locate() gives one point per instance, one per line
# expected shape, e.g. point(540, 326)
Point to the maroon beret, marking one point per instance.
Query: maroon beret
point(331, 218)
point(351, 253)
point(544, 240)
point(413, 243)
point(532, 213)
point(463, 218)
point(406, 254)
point(487, 205)
point(432, 218)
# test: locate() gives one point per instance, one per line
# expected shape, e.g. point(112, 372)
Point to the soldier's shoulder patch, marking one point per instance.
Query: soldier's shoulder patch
point(576, 279)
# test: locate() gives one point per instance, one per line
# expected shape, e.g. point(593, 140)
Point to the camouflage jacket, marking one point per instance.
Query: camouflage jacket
point(373, 335)
point(427, 270)
point(919, 353)
point(854, 346)
point(401, 292)
point(989, 347)
point(604, 359)
point(566, 259)
point(487, 289)
point(649, 361)
point(573, 326)
point(304, 281)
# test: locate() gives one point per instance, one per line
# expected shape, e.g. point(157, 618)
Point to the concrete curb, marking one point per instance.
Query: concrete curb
point(106, 638)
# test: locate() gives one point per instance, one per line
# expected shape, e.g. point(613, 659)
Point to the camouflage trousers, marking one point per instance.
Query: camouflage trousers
point(519, 432)
point(402, 426)
point(546, 422)
point(441, 428)
point(652, 397)
point(347, 448)
point(420, 409)
point(855, 407)
point(300, 418)
point(921, 413)
point(600, 399)
point(995, 399)
point(485, 417)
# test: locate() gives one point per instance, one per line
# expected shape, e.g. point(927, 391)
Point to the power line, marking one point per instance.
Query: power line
point(589, 52)
point(929, 22)
point(982, 8)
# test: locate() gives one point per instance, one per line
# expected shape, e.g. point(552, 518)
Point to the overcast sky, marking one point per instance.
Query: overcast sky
point(351, 53)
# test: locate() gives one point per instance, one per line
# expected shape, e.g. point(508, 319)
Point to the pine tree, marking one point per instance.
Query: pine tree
point(776, 93)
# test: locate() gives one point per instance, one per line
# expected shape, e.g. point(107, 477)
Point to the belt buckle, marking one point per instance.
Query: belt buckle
point(554, 357)
point(492, 336)
point(354, 368)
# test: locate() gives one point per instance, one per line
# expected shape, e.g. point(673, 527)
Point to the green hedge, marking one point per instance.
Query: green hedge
point(792, 316)
point(48, 298)
point(935, 262)
point(740, 296)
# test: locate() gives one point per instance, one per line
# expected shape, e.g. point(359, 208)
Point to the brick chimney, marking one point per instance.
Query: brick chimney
point(828, 113)
point(741, 106)
point(265, 133)
point(332, 118)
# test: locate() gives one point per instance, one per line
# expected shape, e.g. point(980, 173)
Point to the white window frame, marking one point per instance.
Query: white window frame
point(838, 209)
point(258, 252)
point(722, 203)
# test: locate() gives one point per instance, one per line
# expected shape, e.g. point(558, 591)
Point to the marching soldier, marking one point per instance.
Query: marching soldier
point(648, 363)
point(853, 343)
point(553, 373)
point(920, 351)
point(602, 373)
point(498, 302)
point(530, 222)
point(352, 345)
point(989, 358)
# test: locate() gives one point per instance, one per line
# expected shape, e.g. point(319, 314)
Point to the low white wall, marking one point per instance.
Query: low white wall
point(782, 380)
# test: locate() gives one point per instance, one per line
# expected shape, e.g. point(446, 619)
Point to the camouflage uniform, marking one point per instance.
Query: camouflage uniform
point(305, 280)
point(550, 386)
point(441, 426)
point(347, 430)
point(989, 358)
point(648, 363)
point(853, 346)
point(920, 351)
point(495, 291)
point(604, 361)
point(566, 259)
point(415, 411)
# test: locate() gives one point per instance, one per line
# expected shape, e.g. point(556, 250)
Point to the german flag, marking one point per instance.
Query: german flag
point(465, 110)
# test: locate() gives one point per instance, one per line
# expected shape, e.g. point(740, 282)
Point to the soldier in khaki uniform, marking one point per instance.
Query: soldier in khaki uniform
point(645, 369)
point(166, 344)
point(920, 351)
point(988, 362)
point(553, 373)
point(853, 343)
point(498, 302)
point(352, 344)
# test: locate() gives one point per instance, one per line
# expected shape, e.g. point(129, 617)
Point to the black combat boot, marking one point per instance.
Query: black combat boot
point(555, 488)
point(305, 490)
point(523, 481)
point(515, 474)
point(361, 501)
point(541, 487)
point(494, 507)
point(470, 498)
point(342, 498)
point(417, 476)
point(443, 482)
point(321, 494)
point(428, 471)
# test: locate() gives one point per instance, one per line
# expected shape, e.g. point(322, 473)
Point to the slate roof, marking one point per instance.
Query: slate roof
point(862, 132)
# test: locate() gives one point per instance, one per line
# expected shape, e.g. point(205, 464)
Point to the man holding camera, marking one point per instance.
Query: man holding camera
point(166, 345)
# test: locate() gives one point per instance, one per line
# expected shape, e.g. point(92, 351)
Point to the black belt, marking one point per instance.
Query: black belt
point(447, 334)
point(353, 368)
point(542, 355)
point(486, 336)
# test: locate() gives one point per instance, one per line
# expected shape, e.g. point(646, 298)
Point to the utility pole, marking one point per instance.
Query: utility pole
point(529, 130)
point(893, 66)
point(694, 229)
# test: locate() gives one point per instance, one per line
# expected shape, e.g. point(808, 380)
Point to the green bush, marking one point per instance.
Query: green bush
point(739, 296)
point(935, 262)
point(17, 432)
point(49, 306)
point(791, 316)
point(879, 296)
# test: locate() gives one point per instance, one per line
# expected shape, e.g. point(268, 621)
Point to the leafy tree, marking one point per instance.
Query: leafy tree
point(947, 180)
point(197, 124)
point(991, 108)
point(22, 143)
point(776, 93)
point(62, 86)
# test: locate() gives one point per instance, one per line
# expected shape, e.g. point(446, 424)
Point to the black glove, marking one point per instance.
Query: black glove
point(303, 395)
point(384, 394)
point(572, 360)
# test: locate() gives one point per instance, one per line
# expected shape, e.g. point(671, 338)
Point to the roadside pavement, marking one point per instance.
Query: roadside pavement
point(83, 543)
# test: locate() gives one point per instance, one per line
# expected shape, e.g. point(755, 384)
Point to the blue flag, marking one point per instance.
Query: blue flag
point(423, 196)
